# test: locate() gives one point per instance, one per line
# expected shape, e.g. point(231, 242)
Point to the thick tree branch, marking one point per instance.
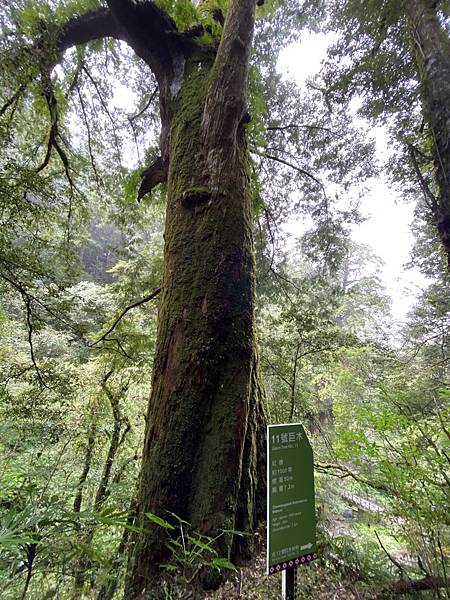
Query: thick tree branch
point(148, 31)
point(93, 25)
point(143, 25)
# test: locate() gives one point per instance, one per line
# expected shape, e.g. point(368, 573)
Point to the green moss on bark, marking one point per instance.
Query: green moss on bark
point(201, 443)
point(186, 164)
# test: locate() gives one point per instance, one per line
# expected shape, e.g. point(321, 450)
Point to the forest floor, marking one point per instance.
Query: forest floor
point(314, 582)
point(252, 583)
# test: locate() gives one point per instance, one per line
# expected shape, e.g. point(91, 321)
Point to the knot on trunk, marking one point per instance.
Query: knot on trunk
point(196, 196)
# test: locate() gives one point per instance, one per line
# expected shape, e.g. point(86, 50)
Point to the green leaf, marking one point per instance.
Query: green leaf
point(223, 563)
point(198, 542)
point(179, 519)
point(234, 532)
point(169, 566)
point(159, 521)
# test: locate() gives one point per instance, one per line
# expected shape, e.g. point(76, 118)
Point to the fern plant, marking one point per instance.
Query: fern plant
point(191, 552)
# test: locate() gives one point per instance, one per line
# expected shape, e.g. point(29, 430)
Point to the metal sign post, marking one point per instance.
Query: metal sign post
point(291, 518)
point(288, 584)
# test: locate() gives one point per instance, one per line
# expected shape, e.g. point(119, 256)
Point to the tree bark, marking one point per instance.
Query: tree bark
point(203, 456)
point(433, 66)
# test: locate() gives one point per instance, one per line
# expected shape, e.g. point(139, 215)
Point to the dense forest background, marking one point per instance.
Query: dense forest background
point(80, 274)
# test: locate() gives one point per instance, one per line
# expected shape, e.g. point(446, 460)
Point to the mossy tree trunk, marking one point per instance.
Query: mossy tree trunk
point(202, 448)
point(204, 443)
point(202, 455)
point(432, 44)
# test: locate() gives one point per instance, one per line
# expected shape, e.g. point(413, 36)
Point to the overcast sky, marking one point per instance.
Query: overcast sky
point(388, 219)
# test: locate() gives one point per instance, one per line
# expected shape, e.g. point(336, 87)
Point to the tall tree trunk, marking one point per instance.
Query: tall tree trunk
point(203, 450)
point(433, 65)
point(204, 447)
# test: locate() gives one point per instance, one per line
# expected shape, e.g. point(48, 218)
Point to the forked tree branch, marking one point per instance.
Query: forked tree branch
point(11, 100)
point(132, 118)
point(226, 97)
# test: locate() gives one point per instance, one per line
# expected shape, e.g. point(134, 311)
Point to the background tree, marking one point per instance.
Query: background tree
point(395, 55)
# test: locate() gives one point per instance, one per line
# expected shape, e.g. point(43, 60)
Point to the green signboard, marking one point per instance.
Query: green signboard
point(291, 518)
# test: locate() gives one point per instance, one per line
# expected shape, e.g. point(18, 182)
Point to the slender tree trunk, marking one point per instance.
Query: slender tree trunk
point(110, 585)
point(433, 65)
point(31, 551)
point(86, 536)
point(294, 379)
point(203, 451)
point(87, 461)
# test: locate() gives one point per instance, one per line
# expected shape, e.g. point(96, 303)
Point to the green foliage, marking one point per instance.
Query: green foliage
point(377, 59)
point(191, 552)
point(76, 252)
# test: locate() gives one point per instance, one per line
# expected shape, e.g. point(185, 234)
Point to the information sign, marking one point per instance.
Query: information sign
point(291, 519)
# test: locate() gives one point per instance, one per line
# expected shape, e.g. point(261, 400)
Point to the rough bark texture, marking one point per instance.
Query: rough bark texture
point(204, 455)
point(433, 65)
point(203, 451)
